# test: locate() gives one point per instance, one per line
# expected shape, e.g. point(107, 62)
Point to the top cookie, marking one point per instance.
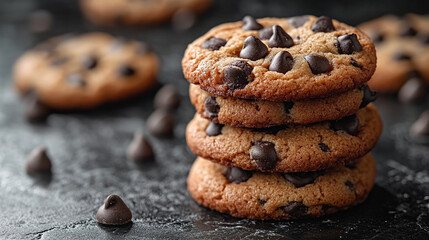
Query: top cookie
point(280, 59)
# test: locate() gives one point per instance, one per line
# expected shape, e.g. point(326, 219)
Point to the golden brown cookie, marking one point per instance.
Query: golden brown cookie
point(290, 148)
point(78, 72)
point(280, 59)
point(266, 196)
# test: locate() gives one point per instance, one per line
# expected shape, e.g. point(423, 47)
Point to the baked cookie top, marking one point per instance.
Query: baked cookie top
point(266, 196)
point(289, 148)
point(73, 72)
point(280, 59)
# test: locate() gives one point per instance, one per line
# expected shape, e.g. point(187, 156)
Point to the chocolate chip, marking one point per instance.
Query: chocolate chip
point(265, 33)
point(270, 130)
point(236, 74)
point(377, 37)
point(161, 123)
point(58, 61)
point(280, 38)
point(262, 201)
point(282, 62)
point(114, 212)
point(287, 106)
point(237, 175)
point(349, 124)
point(350, 185)
point(90, 62)
point(351, 165)
point(126, 71)
point(423, 38)
point(324, 147)
point(298, 21)
point(355, 64)
point(401, 56)
point(264, 154)
point(75, 79)
point(368, 96)
point(348, 44)
point(407, 30)
point(35, 110)
point(295, 209)
point(421, 126)
point(323, 24)
point(318, 64)
point(249, 23)
point(38, 162)
point(253, 49)
point(140, 149)
point(143, 48)
point(211, 107)
point(213, 43)
point(414, 90)
point(214, 129)
point(167, 98)
point(300, 179)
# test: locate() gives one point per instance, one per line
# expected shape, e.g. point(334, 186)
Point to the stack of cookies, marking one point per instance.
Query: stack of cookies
point(284, 121)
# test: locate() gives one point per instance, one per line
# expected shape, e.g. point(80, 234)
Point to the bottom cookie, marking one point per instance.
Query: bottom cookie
point(264, 196)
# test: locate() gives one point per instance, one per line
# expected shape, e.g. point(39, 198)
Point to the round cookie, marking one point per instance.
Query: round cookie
point(290, 148)
point(78, 72)
point(134, 12)
point(267, 196)
point(258, 114)
point(402, 50)
point(280, 59)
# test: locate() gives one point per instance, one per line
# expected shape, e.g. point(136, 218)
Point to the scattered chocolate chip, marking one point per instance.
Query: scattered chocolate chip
point(401, 56)
point(264, 154)
point(143, 48)
point(298, 21)
point(265, 33)
point(295, 209)
point(140, 149)
point(368, 96)
point(377, 37)
point(351, 165)
point(350, 185)
point(126, 71)
point(183, 20)
point(300, 179)
point(262, 201)
point(213, 43)
point(269, 130)
point(90, 62)
point(288, 106)
point(38, 162)
point(237, 175)
point(236, 74)
point(40, 21)
point(211, 107)
point(414, 90)
point(348, 44)
point(249, 23)
point(318, 64)
point(114, 212)
point(280, 38)
point(423, 38)
point(214, 129)
point(253, 49)
point(349, 124)
point(161, 123)
point(407, 30)
point(354, 63)
point(282, 62)
point(35, 110)
point(324, 147)
point(421, 126)
point(323, 24)
point(75, 79)
point(58, 61)
point(167, 98)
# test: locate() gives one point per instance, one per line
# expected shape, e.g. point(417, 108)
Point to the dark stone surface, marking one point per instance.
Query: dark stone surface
point(89, 161)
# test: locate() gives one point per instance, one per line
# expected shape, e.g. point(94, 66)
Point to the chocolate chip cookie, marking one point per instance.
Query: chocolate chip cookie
point(264, 196)
point(280, 59)
point(289, 148)
point(78, 72)
point(258, 114)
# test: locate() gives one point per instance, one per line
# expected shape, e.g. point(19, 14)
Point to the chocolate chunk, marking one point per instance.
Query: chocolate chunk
point(324, 147)
point(280, 38)
point(126, 71)
point(349, 124)
point(423, 38)
point(298, 21)
point(167, 98)
point(90, 62)
point(214, 129)
point(114, 212)
point(414, 90)
point(58, 61)
point(351, 165)
point(300, 179)
point(282, 62)
point(143, 48)
point(237, 175)
point(265, 33)
point(355, 64)
point(75, 79)
point(236, 74)
point(264, 154)
point(318, 64)
point(253, 49)
point(38, 162)
point(421, 126)
point(140, 149)
point(401, 56)
point(377, 37)
point(407, 30)
point(348, 44)
point(368, 96)
point(323, 24)
point(249, 23)
point(213, 43)
point(35, 110)
point(270, 130)
point(350, 185)
point(211, 107)
point(161, 123)
point(288, 106)
point(295, 209)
